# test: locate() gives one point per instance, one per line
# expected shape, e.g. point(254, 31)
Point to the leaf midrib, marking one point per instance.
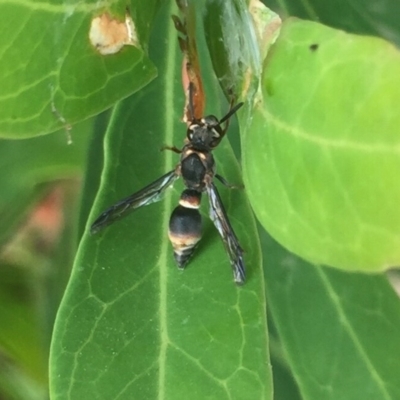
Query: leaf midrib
point(346, 322)
point(168, 165)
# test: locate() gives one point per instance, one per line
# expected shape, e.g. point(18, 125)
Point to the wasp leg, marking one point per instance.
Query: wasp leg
point(185, 226)
point(172, 148)
point(227, 184)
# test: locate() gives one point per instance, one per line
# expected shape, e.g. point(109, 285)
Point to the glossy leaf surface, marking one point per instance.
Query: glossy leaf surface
point(52, 76)
point(355, 16)
point(131, 324)
point(339, 331)
point(326, 141)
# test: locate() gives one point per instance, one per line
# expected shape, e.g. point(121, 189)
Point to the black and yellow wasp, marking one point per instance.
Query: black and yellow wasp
point(197, 169)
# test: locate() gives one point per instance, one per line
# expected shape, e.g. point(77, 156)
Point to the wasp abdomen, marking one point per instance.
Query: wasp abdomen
point(185, 226)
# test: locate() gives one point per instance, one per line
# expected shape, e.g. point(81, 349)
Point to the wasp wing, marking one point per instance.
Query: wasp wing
point(219, 217)
point(147, 195)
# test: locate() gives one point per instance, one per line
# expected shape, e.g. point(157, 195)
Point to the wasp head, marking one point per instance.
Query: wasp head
point(205, 134)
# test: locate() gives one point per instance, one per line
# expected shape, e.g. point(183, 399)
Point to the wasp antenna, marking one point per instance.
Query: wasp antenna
point(230, 113)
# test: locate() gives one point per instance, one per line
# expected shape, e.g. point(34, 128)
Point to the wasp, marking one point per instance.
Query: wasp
point(197, 168)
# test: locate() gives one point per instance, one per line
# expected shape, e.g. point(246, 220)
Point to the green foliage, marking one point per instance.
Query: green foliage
point(326, 140)
point(190, 333)
point(68, 80)
point(319, 156)
point(339, 331)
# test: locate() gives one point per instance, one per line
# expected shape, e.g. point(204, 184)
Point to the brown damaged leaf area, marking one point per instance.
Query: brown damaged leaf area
point(109, 35)
point(191, 74)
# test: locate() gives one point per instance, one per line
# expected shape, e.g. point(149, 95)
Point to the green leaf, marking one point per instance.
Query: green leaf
point(237, 59)
point(94, 167)
point(132, 325)
point(321, 154)
point(285, 386)
point(340, 331)
point(52, 75)
point(233, 54)
point(355, 16)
